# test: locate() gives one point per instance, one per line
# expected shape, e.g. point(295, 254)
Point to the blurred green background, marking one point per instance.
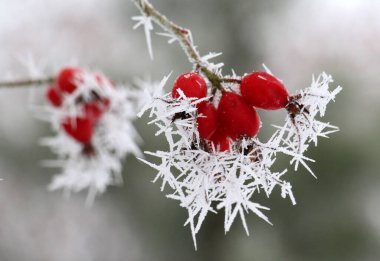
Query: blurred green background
point(336, 216)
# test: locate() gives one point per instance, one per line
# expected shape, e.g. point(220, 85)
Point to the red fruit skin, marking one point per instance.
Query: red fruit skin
point(191, 84)
point(53, 95)
point(262, 90)
point(106, 103)
point(94, 110)
point(66, 79)
point(220, 140)
point(101, 79)
point(236, 117)
point(81, 129)
point(206, 120)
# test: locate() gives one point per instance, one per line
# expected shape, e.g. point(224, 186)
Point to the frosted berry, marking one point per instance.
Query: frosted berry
point(206, 120)
point(66, 79)
point(94, 110)
point(236, 117)
point(102, 80)
point(262, 90)
point(53, 95)
point(191, 84)
point(79, 128)
point(221, 140)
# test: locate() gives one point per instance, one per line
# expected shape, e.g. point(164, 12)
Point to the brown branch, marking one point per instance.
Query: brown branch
point(182, 35)
point(231, 80)
point(27, 82)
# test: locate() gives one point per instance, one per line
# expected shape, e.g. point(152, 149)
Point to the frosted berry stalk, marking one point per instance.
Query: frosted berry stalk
point(182, 35)
point(27, 82)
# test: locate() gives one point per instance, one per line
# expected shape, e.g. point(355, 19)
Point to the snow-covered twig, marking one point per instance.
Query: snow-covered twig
point(184, 38)
point(27, 82)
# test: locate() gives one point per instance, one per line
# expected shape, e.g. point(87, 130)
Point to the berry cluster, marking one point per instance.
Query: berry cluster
point(92, 122)
point(215, 160)
point(235, 116)
point(91, 107)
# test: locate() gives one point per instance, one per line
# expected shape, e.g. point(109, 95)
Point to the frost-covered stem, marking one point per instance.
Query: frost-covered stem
point(27, 82)
point(182, 34)
point(215, 80)
point(231, 80)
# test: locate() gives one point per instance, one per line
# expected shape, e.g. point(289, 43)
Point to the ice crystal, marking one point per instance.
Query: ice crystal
point(303, 127)
point(99, 165)
point(205, 60)
point(204, 180)
point(145, 21)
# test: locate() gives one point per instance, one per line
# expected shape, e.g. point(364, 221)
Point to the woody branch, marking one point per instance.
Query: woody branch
point(183, 37)
point(27, 82)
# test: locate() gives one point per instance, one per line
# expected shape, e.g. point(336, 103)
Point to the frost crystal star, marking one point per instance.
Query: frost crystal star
point(92, 118)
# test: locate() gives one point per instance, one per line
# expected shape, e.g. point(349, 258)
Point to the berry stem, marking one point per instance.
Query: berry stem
point(88, 150)
point(183, 37)
point(231, 80)
point(27, 82)
point(213, 78)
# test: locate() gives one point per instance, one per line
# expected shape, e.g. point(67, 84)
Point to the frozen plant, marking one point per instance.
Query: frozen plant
point(215, 160)
point(92, 119)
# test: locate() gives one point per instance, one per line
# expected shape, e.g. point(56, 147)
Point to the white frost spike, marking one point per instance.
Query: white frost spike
point(146, 21)
point(114, 136)
point(153, 92)
point(317, 96)
point(172, 38)
point(267, 69)
point(210, 56)
point(213, 67)
point(93, 173)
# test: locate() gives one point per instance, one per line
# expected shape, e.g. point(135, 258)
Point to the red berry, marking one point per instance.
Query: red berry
point(81, 129)
point(66, 79)
point(94, 110)
point(102, 80)
point(236, 117)
point(262, 90)
point(191, 84)
point(220, 140)
point(207, 120)
point(53, 95)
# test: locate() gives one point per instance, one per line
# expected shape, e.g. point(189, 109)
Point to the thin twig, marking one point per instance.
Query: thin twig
point(27, 82)
point(182, 35)
point(231, 80)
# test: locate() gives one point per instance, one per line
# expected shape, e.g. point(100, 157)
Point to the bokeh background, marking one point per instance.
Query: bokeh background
point(336, 216)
